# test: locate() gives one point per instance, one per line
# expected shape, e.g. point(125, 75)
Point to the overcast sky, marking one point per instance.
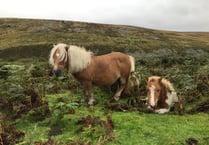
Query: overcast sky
point(176, 15)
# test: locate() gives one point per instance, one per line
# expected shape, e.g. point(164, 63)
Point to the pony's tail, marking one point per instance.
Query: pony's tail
point(134, 79)
point(132, 63)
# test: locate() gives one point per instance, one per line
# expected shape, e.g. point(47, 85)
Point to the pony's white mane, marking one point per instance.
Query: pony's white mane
point(164, 81)
point(79, 58)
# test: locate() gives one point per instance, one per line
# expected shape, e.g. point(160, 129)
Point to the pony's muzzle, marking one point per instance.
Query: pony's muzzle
point(58, 72)
point(150, 107)
point(153, 106)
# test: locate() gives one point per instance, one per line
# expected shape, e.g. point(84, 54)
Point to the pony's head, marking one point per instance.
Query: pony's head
point(157, 88)
point(58, 58)
point(153, 91)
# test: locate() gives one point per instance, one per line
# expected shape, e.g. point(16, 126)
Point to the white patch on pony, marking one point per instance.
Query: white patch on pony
point(91, 101)
point(162, 111)
point(172, 98)
point(79, 58)
point(152, 95)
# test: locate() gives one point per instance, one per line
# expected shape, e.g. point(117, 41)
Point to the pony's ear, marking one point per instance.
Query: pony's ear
point(163, 87)
point(146, 79)
point(67, 47)
point(160, 79)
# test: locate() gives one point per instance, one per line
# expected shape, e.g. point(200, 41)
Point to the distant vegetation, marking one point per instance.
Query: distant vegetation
point(36, 35)
point(37, 108)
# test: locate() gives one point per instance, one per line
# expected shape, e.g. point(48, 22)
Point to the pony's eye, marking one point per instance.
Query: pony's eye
point(158, 91)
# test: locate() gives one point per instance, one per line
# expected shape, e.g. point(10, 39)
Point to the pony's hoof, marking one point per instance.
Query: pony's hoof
point(149, 110)
point(92, 102)
point(113, 100)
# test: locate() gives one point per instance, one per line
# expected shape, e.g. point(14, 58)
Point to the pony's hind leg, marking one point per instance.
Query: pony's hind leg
point(120, 89)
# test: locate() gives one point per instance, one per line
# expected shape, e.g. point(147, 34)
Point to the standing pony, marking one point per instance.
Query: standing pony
point(89, 69)
point(161, 94)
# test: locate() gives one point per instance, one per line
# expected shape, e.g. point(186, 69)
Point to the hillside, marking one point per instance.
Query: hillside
point(37, 37)
point(38, 108)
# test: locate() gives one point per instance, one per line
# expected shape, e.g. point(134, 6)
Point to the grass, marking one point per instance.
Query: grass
point(159, 129)
point(130, 127)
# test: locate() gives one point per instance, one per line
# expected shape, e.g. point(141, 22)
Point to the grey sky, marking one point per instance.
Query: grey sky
point(176, 15)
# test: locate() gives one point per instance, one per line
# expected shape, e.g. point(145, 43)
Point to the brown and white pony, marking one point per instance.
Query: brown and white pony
point(89, 69)
point(161, 94)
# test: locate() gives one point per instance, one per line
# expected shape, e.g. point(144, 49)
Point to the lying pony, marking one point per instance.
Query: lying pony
point(161, 95)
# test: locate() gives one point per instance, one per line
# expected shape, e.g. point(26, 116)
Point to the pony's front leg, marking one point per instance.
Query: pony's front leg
point(88, 93)
point(85, 95)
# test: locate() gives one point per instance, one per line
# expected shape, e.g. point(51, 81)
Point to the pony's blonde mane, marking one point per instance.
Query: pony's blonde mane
point(164, 81)
point(63, 53)
point(79, 58)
